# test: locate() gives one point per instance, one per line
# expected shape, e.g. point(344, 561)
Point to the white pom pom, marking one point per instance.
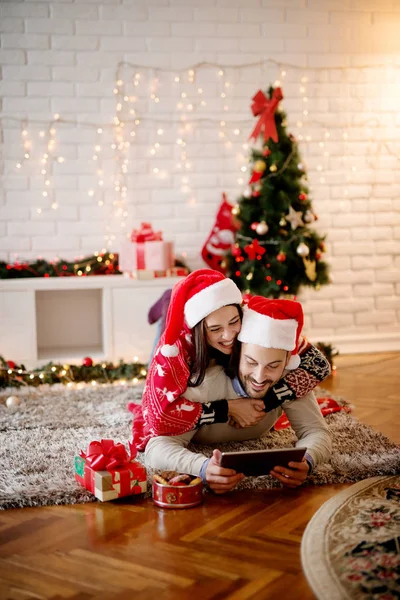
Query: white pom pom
point(169, 351)
point(294, 362)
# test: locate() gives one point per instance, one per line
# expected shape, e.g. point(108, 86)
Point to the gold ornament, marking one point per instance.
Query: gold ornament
point(282, 222)
point(259, 166)
point(310, 267)
point(223, 264)
point(273, 168)
point(236, 209)
point(249, 276)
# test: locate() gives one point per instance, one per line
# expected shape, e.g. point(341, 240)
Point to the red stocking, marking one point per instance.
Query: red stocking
point(221, 238)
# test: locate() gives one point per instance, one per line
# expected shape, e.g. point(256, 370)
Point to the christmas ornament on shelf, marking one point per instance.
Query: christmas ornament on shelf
point(274, 235)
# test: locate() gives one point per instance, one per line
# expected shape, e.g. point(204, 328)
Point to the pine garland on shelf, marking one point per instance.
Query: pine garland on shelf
point(100, 263)
point(13, 375)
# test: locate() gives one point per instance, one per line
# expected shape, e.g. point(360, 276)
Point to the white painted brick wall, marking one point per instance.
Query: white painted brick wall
point(62, 57)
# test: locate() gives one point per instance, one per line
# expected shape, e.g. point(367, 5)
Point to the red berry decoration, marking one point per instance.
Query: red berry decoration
point(253, 226)
point(281, 257)
point(302, 197)
point(236, 250)
point(318, 255)
point(266, 152)
point(11, 364)
point(87, 362)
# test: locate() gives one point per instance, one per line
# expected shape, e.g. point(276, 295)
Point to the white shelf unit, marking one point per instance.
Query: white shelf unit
point(65, 319)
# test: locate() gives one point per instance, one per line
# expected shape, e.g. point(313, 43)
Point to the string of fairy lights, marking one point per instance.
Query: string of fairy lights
point(166, 110)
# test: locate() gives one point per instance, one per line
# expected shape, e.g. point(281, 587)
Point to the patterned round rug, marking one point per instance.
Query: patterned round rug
point(351, 547)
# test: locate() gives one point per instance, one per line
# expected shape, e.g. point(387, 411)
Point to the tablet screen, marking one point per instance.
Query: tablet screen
point(260, 462)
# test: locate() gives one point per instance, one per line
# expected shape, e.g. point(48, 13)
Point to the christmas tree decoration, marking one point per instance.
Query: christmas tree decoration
point(294, 218)
point(71, 375)
point(221, 237)
point(254, 249)
point(258, 169)
point(311, 268)
point(281, 257)
point(87, 361)
point(266, 109)
point(275, 229)
point(101, 263)
point(262, 228)
point(303, 250)
point(13, 401)
point(308, 217)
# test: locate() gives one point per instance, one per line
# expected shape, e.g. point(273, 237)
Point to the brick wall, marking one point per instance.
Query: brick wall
point(62, 57)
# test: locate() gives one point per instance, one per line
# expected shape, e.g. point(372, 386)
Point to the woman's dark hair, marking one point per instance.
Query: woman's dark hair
point(204, 353)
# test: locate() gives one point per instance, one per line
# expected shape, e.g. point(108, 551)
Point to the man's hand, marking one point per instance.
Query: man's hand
point(246, 411)
point(221, 480)
point(293, 477)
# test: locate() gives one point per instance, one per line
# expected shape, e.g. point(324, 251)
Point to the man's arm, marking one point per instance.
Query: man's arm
point(309, 425)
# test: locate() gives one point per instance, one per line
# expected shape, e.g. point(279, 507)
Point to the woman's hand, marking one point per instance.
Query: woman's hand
point(218, 479)
point(245, 412)
point(293, 477)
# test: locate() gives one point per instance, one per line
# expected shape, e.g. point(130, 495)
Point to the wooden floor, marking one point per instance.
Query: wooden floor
point(242, 545)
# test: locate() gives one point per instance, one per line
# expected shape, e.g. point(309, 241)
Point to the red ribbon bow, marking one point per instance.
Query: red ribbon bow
point(266, 109)
point(106, 455)
point(253, 249)
point(145, 234)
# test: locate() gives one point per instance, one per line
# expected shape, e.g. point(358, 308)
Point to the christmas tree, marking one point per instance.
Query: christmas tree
point(276, 250)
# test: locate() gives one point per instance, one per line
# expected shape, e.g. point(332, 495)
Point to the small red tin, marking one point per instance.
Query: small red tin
point(177, 496)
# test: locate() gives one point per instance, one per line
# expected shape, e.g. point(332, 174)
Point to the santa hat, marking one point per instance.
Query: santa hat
point(273, 324)
point(193, 298)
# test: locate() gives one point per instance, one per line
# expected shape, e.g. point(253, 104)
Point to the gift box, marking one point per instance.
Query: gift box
point(108, 471)
point(146, 250)
point(147, 274)
point(177, 272)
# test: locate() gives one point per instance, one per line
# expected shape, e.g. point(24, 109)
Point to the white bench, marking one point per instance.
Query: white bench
point(65, 319)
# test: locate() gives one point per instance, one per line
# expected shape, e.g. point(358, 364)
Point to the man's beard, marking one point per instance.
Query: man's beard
point(252, 393)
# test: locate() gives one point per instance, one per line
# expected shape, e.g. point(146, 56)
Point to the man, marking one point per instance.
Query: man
point(269, 338)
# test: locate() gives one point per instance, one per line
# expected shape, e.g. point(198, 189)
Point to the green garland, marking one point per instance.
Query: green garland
point(13, 375)
point(105, 263)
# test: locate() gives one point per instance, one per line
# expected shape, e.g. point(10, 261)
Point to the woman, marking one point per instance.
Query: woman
point(203, 322)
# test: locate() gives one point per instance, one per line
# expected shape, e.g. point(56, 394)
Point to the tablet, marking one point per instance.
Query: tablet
point(260, 462)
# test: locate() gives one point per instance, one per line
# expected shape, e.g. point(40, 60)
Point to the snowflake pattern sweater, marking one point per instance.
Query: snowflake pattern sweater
point(166, 411)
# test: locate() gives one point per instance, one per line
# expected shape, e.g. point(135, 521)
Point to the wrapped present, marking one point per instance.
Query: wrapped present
point(146, 250)
point(177, 272)
point(108, 471)
point(147, 274)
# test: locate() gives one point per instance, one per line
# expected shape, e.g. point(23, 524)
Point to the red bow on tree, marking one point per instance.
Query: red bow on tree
point(266, 109)
point(253, 249)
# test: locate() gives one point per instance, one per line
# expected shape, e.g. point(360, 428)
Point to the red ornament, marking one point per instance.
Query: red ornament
point(281, 257)
point(87, 362)
point(285, 287)
point(236, 250)
point(237, 273)
point(256, 193)
point(302, 197)
point(278, 281)
point(318, 255)
point(268, 278)
point(11, 364)
point(253, 226)
point(266, 152)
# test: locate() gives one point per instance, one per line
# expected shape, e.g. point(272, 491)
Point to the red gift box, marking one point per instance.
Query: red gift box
point(146, 250)
point(109, 472)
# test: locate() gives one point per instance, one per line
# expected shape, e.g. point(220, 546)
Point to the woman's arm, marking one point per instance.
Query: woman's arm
point(313, 368)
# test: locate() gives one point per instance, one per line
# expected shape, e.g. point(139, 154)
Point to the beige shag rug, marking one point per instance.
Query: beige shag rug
point(350, 549)
point(39, 438)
